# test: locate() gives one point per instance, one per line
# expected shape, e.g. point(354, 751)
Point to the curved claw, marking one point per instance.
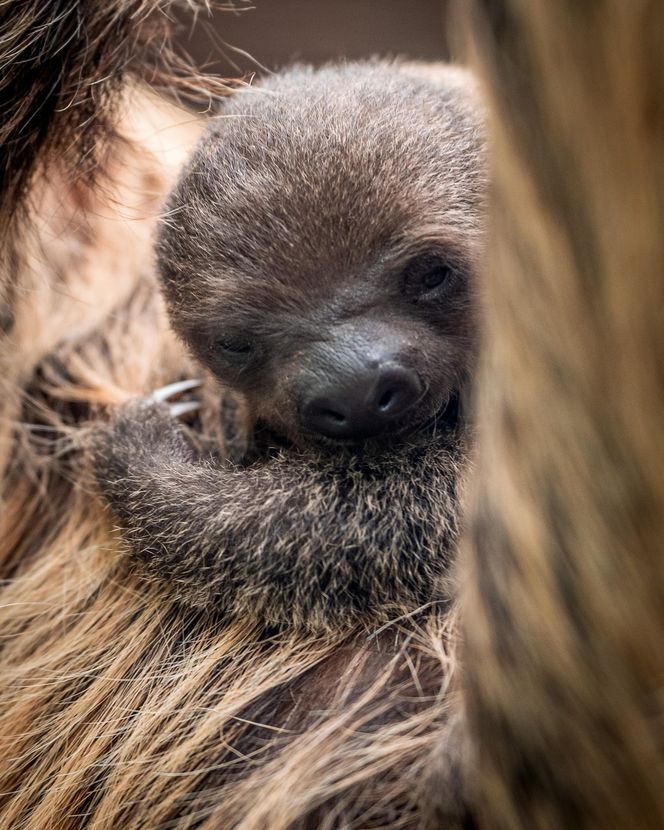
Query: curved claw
point(173, 389)
point(177, 410)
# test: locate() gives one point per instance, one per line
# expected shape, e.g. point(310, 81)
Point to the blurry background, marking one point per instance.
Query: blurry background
point(277, 32)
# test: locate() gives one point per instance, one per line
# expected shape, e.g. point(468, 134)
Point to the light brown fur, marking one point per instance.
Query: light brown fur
point(563, 608)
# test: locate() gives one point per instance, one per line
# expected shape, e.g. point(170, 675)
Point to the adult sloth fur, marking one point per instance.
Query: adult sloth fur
point(119, 708)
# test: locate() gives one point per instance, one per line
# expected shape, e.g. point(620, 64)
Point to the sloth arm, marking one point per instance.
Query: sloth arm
point(300, 539)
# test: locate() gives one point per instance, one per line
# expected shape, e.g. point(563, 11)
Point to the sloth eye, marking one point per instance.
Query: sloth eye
point(234, 349)
point(436, 276)
point(429, 277)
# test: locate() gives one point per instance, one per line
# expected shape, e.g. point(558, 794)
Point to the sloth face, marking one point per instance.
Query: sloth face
point(319, 253)
point(380, 356)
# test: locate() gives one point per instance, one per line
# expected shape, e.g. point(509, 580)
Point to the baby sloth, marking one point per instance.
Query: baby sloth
point(317, 257)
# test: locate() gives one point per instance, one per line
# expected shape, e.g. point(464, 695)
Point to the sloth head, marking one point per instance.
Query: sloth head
point(318, 252)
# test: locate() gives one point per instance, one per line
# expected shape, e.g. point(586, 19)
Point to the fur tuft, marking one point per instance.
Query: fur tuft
point(63, 67)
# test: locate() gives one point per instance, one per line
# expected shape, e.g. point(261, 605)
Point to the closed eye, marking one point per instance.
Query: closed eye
point(234, 349)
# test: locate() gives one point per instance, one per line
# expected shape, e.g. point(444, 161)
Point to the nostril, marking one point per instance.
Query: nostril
point(386, 399)
point(324, 416)
point(396, 391)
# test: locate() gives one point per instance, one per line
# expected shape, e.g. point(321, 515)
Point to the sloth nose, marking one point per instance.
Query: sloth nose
point(362, 403)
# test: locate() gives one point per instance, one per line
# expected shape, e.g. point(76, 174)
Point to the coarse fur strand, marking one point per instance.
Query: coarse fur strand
point(65, 69)
point(564, 615)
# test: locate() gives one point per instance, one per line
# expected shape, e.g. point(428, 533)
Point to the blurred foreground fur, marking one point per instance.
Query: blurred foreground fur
point(564, 612)
point(64, 67)
point(117, 708)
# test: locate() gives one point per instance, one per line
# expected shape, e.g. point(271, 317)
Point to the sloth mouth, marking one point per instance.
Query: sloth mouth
point(449, 415)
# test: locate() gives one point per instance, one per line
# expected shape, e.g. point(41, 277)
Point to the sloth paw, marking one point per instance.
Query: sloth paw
point(142, 437)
